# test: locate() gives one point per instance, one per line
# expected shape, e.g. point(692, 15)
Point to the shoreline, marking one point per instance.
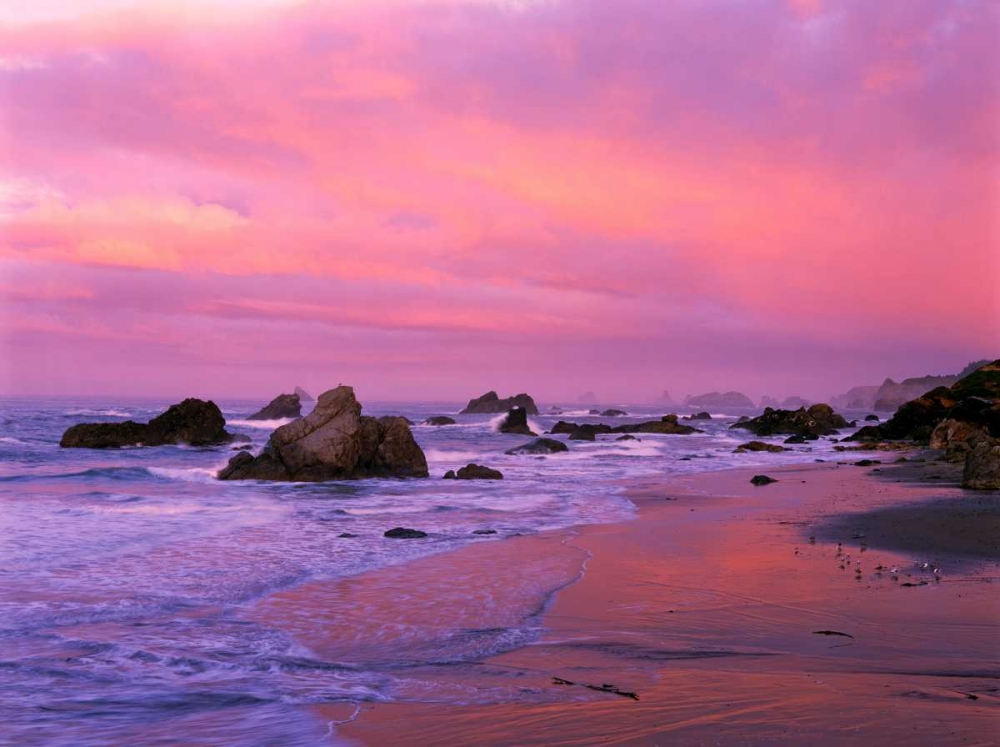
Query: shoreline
point(706, 605)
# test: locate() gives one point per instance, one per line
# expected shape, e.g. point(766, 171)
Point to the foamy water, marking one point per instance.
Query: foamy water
point(127, 575)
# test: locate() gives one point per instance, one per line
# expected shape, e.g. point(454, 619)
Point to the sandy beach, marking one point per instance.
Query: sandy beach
point(724, 614)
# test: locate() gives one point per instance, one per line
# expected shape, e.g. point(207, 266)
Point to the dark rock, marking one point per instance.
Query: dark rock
point(720, 400)
point(758, 446)
point(818, 420)
point(401, 532)
point(193, 421)
point(612, 413)
point(593, 412)
point(334, 442)
point(478, 472)
point(347, 535)
point(490, 403)
point(282, 406)
point(244, 447)
point(449, 475)
point(587, 432)
point(539, 446)
point(743, 419)
point(762, 480)
point(699, 416)
point(517, 422)
point(484, 531)
point(627, 437)
point(873, 418)
point(867, 462)
point(569, 428)
point(982, 467)
point(795, 440)
point(666, 425)
point(440, 420)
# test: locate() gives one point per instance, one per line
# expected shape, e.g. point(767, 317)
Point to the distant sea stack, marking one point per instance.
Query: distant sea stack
point(334, 442)
point(282, 406)
point(491, 404)
point(665, 399)
point(587, 398)
point(720, 400)
point(193, 421)
point(856, 398)
point(304, 396)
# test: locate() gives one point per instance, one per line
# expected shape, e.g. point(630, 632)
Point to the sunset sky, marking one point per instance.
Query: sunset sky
point(431, 199)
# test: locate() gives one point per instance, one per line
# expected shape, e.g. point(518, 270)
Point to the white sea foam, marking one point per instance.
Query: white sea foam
point(265, 424)
point(11, 440)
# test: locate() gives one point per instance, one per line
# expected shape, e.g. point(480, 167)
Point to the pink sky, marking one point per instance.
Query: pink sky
point(430, 199)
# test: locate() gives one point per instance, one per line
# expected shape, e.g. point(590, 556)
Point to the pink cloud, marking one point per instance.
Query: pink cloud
point(547, 174)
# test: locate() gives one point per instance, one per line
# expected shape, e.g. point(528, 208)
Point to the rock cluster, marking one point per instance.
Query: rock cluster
point(491, 404)
point(474, 472)
point(282, 406)
point(193, 421)
point(818, 420)
point(333, 442)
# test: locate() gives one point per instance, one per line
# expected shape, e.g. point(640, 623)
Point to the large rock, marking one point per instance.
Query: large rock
point(539, 446)
point(517, 422)
point(720, 400)
point(193, 421)
point(956, 438)
point(818, 420)
point(334, 442)
point(282, 406)
point(973, 399)
point(564, 427)
point(982, 467)
point(490, 403)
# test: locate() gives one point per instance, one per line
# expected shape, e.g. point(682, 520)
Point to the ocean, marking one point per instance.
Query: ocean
point(126, 575)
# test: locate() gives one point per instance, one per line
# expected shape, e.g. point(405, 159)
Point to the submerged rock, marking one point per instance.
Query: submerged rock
point(539, 446)
point(193, 421)
point(758, 446)
point(628, 437)
point(282, 406)
point(334, 442)
point(569, 428)
point(818, 420)
point(762, 480)
point(667, 425)
point(478, 472)
point(440, 420)
point(982, 466)
point(401, 532)
point(872, 418)
point(491, 404)
point(517, 422)
point(612, 413)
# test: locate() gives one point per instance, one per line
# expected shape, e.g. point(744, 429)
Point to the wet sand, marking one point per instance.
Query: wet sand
point(708, 607)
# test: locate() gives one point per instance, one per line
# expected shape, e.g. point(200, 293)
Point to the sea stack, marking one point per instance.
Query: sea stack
point(334, 442)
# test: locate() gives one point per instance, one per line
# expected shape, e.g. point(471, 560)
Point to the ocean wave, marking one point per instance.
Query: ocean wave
point(449, 455)
point(11, 440)
point(188, 474)
point(265, 424)
point(101, 413)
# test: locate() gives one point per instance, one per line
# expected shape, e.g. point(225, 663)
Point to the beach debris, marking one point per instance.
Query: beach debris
point(603, 688)
point(404, 533)
point(762, 480)
point(832, 632)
